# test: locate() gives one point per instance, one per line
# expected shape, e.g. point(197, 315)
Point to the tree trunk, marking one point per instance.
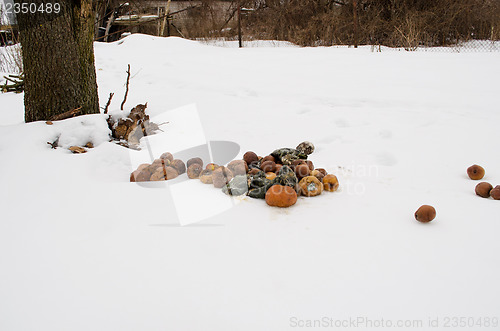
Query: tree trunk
point(58, 58)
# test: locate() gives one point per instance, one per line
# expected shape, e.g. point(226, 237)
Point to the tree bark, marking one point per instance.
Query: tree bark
point(58, 58)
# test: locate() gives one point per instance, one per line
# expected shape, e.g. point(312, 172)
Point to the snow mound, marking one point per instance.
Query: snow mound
point(80, 130)
point(146, 42)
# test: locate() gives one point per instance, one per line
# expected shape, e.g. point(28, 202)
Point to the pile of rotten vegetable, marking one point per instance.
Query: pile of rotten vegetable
point(278, 177)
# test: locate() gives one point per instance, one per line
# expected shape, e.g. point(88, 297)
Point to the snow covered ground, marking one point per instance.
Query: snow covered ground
point(81, 248)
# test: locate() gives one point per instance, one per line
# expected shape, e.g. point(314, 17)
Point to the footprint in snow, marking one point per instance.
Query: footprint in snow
point(386, 159)
point(341, 123)
point(329, 139)
point(386, 134)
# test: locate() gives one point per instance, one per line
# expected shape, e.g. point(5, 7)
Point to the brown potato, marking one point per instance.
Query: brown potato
point(194, 160)
point(206, 176)
point(268, 166)
point(310, 165)
point(269, 158)
point(254, 171)
point(278, 167)
point(171, 173)
point(158, 175)
point(134, 175)
point(179, 166)
point(238, 167)
point(143, 166)
point(295, 163)
point(144, 175)
point(323, 171)
point(194, 170)
point(250, 157)
point(302, 170)
point(221, 176)
point(318, 175)
point(167, 156)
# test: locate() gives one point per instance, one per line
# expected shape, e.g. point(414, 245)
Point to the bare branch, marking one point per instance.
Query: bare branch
point(126, 91)
point(107, 103)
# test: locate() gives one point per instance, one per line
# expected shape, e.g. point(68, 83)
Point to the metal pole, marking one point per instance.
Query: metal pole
point(239, 26)
point(355, 18)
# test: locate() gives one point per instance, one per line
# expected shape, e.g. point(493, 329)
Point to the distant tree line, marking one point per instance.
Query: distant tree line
point(396, 23)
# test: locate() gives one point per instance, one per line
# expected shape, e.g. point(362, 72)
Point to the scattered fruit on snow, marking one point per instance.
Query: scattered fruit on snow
point(268, 166)
point(425, 214)
point(250, 157)
point(483, 189)
point(194, 160)
point(221, 176)
point(206, 176)
point(179, 166)
point(167, 156)
point(475, 172)
point(194, 170)
point(238, 167)
point(495, 193)
point(302, 170)
point(330, 183)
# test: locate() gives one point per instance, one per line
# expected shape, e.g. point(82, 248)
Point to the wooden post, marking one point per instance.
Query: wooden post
point(355, 19)
point(240, 42)
point(165, 20)
point(108, 26)
point(169, 18)
point(158, 24)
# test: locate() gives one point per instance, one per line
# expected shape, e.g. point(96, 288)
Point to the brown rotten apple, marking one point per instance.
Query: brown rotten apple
point(475, 172)
point(425, 214)
point(483, 189)
point(310, 186)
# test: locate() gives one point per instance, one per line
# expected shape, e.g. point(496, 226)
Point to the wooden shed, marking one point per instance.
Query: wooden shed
point(167, 18)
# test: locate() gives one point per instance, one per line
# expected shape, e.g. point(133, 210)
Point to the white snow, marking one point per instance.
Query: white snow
point(81, 248)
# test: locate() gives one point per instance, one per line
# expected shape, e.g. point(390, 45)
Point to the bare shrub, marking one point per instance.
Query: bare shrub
point(213, 19)
point(395, 23)
point(11, 60)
